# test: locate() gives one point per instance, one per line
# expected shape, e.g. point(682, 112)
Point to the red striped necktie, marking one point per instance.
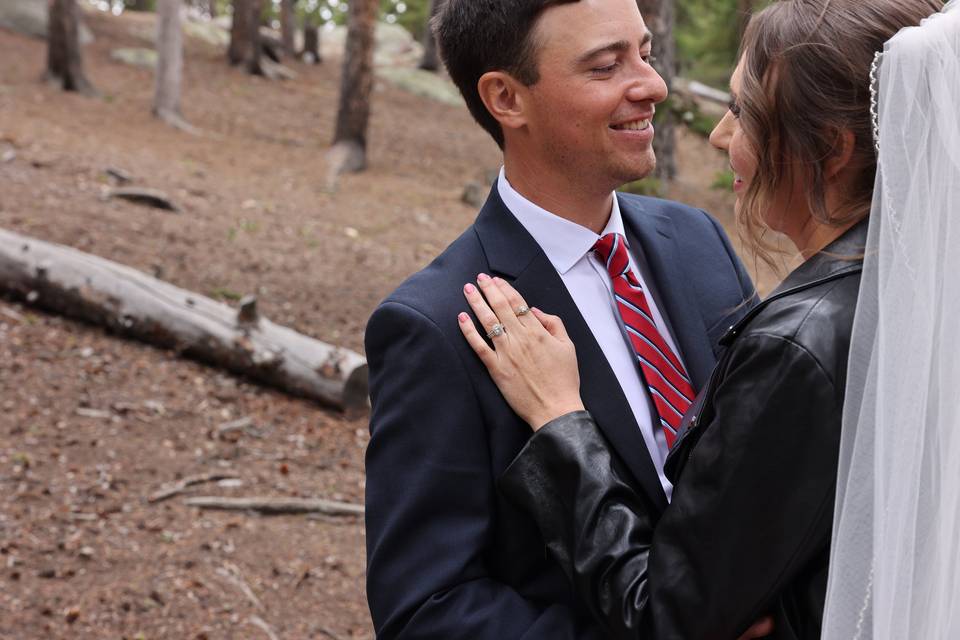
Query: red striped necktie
point(661, 369)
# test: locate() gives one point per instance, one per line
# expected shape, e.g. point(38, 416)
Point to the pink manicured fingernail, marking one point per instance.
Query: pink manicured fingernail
point(463, 318)
point(469, 288)
point(483, 277)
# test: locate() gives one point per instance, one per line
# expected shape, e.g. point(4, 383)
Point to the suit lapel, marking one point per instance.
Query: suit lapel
point(514, 255)
point(656, 235)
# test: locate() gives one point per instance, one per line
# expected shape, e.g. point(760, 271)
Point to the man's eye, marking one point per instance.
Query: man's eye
point(649, 59)
point(603, 70)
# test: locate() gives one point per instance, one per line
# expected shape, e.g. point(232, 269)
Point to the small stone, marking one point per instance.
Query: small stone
point(71, 614)
point(474, 194)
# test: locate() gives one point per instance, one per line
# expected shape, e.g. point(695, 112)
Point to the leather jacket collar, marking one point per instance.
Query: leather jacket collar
point(841, 257)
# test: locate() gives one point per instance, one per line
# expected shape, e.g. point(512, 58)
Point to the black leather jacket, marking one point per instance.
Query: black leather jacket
point(748, 530)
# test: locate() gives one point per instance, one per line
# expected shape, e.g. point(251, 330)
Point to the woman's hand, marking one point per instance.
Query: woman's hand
point(532, 362)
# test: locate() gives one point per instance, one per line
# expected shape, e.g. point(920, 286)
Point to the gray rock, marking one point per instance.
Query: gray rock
point(137, 57)
point(422, 83)
point(29, 17)
point(395, 46)
point(474, 194)
point(208, 31)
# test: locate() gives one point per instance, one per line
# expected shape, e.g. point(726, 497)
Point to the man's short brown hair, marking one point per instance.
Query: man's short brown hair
point(479, 36)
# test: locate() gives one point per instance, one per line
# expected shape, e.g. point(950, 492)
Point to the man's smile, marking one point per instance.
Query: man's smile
point(641, 124)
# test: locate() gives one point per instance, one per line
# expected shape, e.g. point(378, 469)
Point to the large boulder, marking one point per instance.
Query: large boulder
point(422, 83)
point(209, 31)
point(395, 46)
point(395, 60)
point(136, 57)
point(29, 17)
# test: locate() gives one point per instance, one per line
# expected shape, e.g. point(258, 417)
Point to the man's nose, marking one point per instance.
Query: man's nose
point(647, 85)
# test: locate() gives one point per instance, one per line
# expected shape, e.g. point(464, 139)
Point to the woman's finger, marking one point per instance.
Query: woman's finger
point(516, 301)
point(553, 324)
point(498, 302)
point(481, 309)
point(469, 330)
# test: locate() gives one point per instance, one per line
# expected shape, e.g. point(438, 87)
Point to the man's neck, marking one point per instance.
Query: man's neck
point(582, 204)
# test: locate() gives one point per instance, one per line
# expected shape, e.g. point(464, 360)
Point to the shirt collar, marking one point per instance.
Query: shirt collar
point(564, 242)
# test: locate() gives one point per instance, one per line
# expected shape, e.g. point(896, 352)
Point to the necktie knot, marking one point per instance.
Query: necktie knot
point(611, 249)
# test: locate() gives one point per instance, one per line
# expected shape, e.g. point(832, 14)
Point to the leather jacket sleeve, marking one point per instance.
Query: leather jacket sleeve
point(752, 507)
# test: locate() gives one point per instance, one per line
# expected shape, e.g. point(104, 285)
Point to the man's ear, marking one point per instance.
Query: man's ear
point(842, 153)
point(503, 96)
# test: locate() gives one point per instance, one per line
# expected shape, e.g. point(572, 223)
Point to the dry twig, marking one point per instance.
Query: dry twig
point(277, 506)
point(232, 574)
point(257, 621)
point(180, 487)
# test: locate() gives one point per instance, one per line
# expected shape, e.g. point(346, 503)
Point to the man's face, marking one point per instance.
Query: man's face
point(589, 116)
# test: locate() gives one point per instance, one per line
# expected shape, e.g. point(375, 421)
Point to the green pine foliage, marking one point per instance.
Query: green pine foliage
point(707, 39)
point(411, 14)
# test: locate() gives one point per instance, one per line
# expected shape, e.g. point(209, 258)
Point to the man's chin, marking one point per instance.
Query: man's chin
point(638, 172)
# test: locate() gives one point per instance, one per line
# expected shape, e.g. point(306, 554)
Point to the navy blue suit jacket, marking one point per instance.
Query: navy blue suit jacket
point(447, 556)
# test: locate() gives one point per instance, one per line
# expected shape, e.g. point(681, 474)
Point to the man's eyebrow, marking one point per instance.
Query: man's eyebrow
point(618, 46)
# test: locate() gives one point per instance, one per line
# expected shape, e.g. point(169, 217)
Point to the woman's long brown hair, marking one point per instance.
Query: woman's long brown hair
point(805, 81)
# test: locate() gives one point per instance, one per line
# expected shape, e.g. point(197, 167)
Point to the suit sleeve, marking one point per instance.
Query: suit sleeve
point(751, 510)
point(430, 502)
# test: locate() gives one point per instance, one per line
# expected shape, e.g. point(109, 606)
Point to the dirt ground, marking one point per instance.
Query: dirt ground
point(91, 425)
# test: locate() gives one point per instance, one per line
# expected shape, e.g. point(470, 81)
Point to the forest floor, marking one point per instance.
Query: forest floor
point(91, 425)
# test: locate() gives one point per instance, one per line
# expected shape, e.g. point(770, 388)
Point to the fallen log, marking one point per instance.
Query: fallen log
point(277, 506)
point(133, 304)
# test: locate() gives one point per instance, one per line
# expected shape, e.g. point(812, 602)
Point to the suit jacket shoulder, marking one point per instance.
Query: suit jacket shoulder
point(436, 290)
point(638, 209)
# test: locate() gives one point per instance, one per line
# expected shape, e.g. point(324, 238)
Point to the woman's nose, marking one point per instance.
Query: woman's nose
point(721, 134)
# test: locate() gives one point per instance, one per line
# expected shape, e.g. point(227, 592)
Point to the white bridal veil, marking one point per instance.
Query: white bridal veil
point(895, 560)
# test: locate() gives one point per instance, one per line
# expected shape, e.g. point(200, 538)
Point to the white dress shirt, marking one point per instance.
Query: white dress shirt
point(569, 246)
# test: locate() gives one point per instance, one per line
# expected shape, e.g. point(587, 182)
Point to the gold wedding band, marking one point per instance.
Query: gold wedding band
point(522, 310)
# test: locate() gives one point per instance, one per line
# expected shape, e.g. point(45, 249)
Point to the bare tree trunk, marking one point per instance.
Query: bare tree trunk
point(64, 59)
point(660, 16)
point(139, 5)
point(239, 50)
point(212, 8)
point(166, 100)
point(311, 41)
point(245, 45)
point(349, 152)
point(288, 26)
point(430, 61)
point(254, 63)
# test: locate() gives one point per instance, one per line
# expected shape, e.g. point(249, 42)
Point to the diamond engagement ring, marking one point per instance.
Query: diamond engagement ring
point(522, 310)
point(496, 331)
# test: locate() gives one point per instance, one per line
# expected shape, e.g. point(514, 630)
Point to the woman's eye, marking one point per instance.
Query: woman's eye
point(734, 109)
